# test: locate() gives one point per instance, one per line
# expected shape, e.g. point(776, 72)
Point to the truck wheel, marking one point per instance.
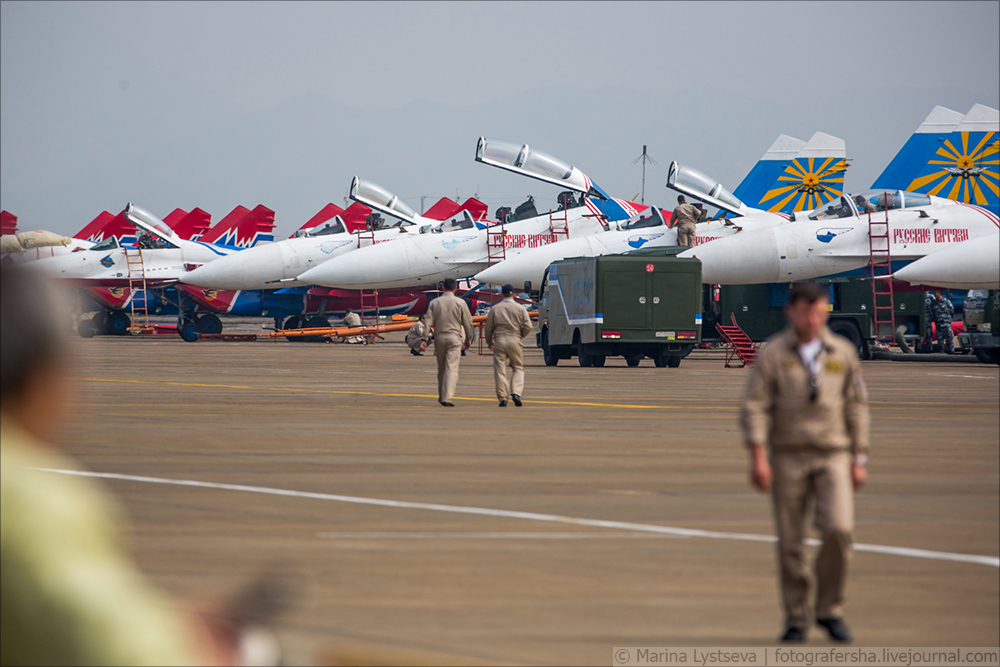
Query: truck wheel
point(989, 356)
point(660, 360)
point(849, 330)
point(548, 354)
point(585, 359)
point(633, 361)
point(673, 362)
point(118, 324)
point(209, 323)
point(598, 361)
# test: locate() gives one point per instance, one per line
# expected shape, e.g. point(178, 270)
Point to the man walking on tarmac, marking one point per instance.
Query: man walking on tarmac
point(806, 401)
point(683, 218)
point(449, 317)
point(507, 323)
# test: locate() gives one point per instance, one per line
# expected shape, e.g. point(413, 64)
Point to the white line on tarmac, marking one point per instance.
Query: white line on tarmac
point(992, 561)
point(949, 375)
point(489, 536)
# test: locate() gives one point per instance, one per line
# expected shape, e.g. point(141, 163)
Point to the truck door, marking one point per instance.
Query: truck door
point(673, 297)
point(625, 298)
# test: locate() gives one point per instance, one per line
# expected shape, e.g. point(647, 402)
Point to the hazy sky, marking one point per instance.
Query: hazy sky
point(218, 104)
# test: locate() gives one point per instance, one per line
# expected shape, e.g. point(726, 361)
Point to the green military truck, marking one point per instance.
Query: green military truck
point(981, 313)
point(759, 310)
point(620, 305)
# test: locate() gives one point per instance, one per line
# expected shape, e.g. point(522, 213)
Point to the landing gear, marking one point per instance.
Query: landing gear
point(118, 323)
point(209, 323)
point(187, 329)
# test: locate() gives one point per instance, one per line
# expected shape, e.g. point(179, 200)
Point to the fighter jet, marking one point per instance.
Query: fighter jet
point(164, 255)
point(279, 265)
point(972, 264)
point(790, 174)
point(838, 239)
point(427, 259)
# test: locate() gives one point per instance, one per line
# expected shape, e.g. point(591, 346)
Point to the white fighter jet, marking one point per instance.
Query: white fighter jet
point(279, 265)
point(838, 239)
point(649, 230)
point(165, 256)
point(427, 259)
point(972, 264)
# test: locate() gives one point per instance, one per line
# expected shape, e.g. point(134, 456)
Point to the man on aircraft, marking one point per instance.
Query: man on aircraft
point(685, 216)
point(864, 206)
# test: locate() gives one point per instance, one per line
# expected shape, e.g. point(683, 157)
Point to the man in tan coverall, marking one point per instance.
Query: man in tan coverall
point(806, 400)
point(506, 325)
point(683, 218)
point(449, 317)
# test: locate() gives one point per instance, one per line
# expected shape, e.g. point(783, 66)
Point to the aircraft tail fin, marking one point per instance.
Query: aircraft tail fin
point(354, 216)
point(250, 229)
point(478, 209)
point(793, 175)
point(192, 225)
point(8, 223)
point(106, 225)
point(328, 212)
point(443, 208)
point(225, 225)
point(951, 156)
point(174, 217)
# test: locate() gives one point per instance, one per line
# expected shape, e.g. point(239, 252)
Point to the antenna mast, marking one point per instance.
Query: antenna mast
point(645, 157)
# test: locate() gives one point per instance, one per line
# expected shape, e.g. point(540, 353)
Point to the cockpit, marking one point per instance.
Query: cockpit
point(870, 201)
point(335, 226)
point(149, 242)
point(651, 217)
point(378, 197)
point(107, 244)
point(453, 225)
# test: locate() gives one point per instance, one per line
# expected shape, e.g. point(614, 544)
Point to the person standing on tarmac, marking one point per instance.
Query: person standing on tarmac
point(684, 218)
point(449, 317)
point(807, 402)
point(507, 323)
point(943, 313)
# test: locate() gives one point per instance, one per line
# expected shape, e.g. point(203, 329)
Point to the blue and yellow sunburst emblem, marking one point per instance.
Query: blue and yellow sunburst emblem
point(963, 175)
point(812, 182)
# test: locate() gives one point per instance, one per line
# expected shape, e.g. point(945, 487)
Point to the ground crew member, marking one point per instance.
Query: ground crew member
point(684, 218)
point(449, 317)
point(806, 401)
point(507, 323)
point(352, 319)
point(415, 336)
point(943, 313)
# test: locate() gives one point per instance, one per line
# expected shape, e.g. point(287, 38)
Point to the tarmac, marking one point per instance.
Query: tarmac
point(612, 510)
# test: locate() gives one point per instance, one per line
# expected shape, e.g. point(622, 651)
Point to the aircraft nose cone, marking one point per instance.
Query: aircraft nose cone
point(742, 259)
point(357, 269)
point(246, 269)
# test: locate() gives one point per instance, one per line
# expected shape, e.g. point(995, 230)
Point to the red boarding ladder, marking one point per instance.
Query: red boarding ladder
point(738, 345)
point(137, 281)
point(496, 249)
point(880, 268)
point(559, 224)
point(372, 296)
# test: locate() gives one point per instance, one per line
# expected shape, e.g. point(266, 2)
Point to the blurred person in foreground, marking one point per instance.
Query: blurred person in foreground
point(807, 403)
point(70, 594)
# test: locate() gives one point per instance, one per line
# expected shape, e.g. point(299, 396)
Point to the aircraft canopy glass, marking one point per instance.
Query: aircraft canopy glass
point(107, 244)
point(150, 220)
point(870, 201)
point(376, 194)
point(524, 158)
point(335, 226)
point(651, 217)
point(693, 180)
